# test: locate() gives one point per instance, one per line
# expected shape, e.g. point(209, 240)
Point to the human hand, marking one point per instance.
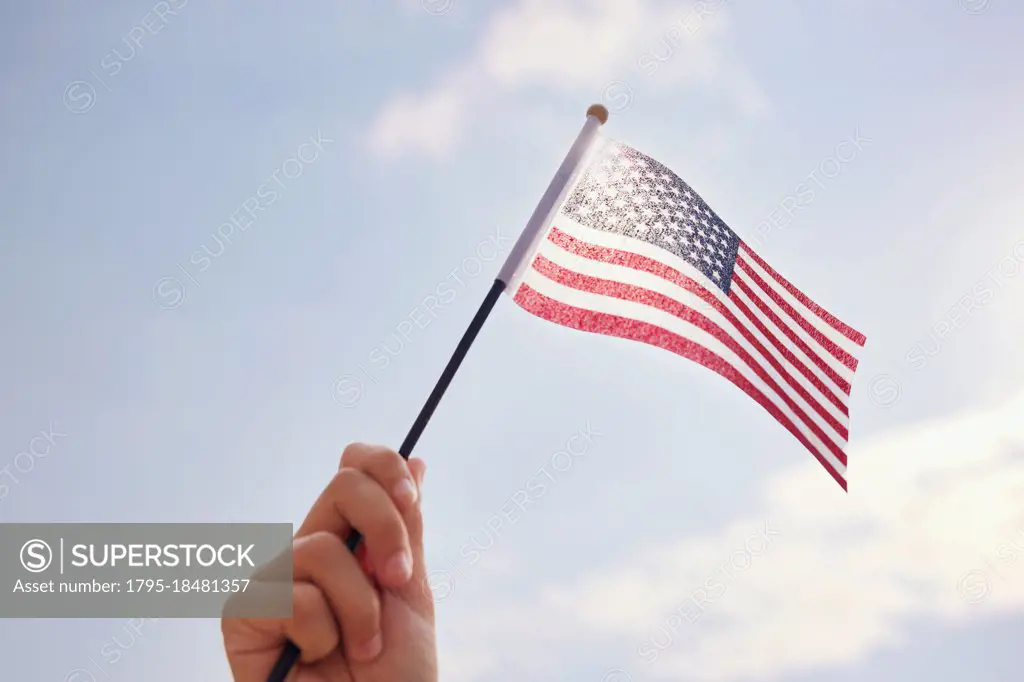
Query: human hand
point(367, 617)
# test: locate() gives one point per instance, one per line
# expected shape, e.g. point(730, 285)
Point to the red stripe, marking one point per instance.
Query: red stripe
point(624, 328)
point(823, 341)
point(834, 322)
point(651, 266)
point(770, 314)
point(788, 354)
point(637, 294)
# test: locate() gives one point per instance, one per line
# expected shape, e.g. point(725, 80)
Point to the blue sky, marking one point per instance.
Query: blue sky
point(217, 398)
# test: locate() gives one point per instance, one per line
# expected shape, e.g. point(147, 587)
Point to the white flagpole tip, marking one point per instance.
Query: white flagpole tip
point(512, 271)
point(599, 111)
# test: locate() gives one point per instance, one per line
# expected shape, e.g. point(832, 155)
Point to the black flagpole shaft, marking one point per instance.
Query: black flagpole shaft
point(290, 654)
point(451, 368)
point(597, 114)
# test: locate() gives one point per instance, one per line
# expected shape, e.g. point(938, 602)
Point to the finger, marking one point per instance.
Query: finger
point(324, 560)
point(385, 466)
point(418, 468)
point(416, 592)
point(413, 516)
point(415, 468)
point(312, 628)
point(354, 500)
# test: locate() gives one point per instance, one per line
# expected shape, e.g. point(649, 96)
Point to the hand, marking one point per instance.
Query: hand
point(365, 618)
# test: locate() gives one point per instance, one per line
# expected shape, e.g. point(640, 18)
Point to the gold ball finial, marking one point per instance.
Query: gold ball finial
point(599, 111)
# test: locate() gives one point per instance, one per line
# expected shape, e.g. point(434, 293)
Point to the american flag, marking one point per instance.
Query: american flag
point(635, 253)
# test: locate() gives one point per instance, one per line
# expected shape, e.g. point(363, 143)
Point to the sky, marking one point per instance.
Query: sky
point(185, 376)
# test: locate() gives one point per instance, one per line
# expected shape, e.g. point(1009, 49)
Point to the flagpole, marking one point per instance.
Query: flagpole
point(518, 260)
point(508, 279)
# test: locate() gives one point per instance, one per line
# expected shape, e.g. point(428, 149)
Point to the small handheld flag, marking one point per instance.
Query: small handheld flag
point(635, 253)
point(630, 250)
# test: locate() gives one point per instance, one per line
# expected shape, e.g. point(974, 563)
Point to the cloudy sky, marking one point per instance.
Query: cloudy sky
point(187, 376)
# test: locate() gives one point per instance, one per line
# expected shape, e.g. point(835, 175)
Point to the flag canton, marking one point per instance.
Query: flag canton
point(628, 193)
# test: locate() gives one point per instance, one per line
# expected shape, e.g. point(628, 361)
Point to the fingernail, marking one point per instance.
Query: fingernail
point(399, 568)
point(369, 650)
point(406, 491)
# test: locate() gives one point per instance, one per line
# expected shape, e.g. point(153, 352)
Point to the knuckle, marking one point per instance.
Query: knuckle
point(277, 568)
point(317, 548)
point(388, 530)
point(389, 466)
point(375, 459)
point(364, 616)
point(388, 456)
point(351, 453)
point(346, 480)
point(306, 604)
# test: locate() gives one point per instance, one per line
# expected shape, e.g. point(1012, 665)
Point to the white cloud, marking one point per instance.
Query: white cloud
point(567, 45)
point(420, 124)
point(927, 531)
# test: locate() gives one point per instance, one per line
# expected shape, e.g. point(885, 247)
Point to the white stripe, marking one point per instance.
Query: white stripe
point(827, 330)
point(616, 241)
point(797, 353)
point(814, 349)
point(643, 313)
point(627, 275)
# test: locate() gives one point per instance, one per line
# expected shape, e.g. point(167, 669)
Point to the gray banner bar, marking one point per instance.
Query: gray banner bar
point(145, 570)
